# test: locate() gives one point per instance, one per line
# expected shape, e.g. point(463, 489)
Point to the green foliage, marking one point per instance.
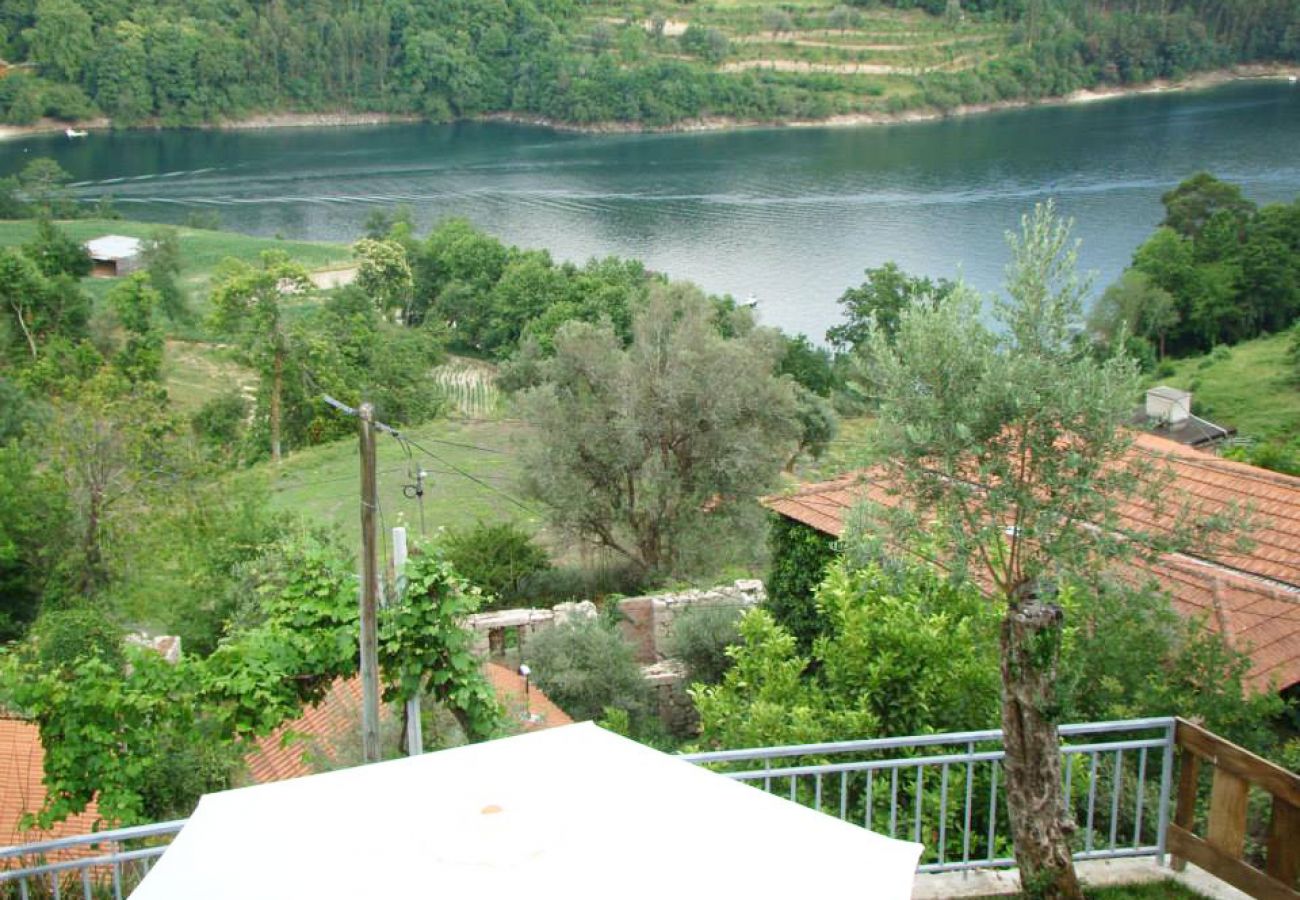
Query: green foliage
point(799, 557)
point(638, 449)
point(1218, 271)
point(148, 738)
point(219, 425)
point(33, 525)
point(1024, 411)
point(700, 638)
point(43, 183)
point(134, 301)
point(880, 302)
point(1164, 663)
point(63, 637)
point(810, 367)
point(586, 667)
point(495, 557)
point(162, 260)
point(55, 253)
point(425, 649)
point(39, 309)
point(494, 299)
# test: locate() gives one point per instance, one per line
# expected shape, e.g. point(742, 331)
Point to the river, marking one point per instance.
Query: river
point(790, 216)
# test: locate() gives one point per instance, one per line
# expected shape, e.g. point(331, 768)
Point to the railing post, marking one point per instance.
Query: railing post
point(1166, 784)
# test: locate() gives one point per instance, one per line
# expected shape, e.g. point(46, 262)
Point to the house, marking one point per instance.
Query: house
point(1251, 595)
point(114, 255)
point(319, 738)
point(22, 790)
point(1168, 412)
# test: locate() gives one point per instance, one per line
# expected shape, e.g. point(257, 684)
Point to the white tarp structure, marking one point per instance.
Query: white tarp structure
point(571, 812)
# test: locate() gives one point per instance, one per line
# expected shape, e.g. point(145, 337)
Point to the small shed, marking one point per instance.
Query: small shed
point(114, 255)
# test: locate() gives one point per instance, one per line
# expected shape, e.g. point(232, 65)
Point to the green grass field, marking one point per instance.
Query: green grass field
point(321, 484)
point(1255, 389)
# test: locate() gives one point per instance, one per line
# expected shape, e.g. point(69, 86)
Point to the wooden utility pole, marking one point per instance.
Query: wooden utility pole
point(369, 590)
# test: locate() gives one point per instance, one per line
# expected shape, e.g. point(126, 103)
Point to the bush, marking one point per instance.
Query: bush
point(700, 638)
point(497, 558)
point(220, 423)
point(63, 637)
point(800, 556)
point(585, 666)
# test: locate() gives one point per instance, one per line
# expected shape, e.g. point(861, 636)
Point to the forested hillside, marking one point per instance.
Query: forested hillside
point(181, 62)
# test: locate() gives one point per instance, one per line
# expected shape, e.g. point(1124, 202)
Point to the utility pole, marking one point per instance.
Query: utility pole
point(369, 590)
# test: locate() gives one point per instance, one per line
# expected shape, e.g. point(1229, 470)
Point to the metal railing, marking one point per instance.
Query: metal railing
point(944, 790)
point(947, 792)
point(99, 865)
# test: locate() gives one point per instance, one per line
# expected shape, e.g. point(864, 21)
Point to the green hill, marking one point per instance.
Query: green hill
point(1253, 386)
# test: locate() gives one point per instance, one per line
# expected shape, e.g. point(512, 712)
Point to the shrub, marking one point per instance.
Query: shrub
point(62, 637)
point(585, 666)
point(700, 638)
point(799, 556)
point(220, 422)
point(497, 558)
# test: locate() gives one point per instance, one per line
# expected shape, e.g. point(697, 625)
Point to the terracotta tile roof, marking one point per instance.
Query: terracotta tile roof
point(22, 766)
point(304, 745)
point(1252, 596)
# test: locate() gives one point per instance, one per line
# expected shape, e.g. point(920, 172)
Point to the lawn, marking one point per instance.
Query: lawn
point(321, 484)
point(1253, 388)
point(201, 251)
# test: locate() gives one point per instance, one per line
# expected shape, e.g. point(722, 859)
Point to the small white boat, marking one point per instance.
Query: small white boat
point(1293, 79)
point(74, 133)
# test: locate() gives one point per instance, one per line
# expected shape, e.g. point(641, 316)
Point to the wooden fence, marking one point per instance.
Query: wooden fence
point(1223, 849)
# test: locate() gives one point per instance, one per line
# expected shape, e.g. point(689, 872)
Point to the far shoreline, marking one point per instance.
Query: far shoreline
point(1197, 82)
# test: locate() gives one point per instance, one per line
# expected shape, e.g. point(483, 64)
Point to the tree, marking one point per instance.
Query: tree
point(1007, 450)
point(1137, 306)
point(637, 449)
point(55, 253)
point(384, 274)
point(247, 302)
point(880, 301)
point(40, 308)
point(134, 301)
point(43, 184)
point(1190, 206)
point(62, 40)
point(496, 558)
point(162, 260)
point(112, 444)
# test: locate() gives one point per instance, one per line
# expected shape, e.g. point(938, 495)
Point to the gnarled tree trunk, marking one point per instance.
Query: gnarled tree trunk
point(1040, 824)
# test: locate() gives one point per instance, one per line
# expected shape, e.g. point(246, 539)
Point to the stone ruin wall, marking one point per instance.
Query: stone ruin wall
point(646, 623)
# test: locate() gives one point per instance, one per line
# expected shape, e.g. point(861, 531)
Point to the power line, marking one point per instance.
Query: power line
point(472, 477)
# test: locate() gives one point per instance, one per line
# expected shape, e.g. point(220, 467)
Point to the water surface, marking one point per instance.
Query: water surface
point(789, 216)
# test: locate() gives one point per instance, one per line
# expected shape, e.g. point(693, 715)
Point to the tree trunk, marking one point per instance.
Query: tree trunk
point(277, 382)
point(1040, 825)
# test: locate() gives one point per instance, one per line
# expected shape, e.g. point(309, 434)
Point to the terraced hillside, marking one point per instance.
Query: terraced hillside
point(868, 60)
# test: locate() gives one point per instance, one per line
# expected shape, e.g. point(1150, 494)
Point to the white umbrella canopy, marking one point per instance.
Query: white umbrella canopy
point(570, 812)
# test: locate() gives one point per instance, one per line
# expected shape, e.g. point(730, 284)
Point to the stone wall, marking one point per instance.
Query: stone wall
point(648, 621)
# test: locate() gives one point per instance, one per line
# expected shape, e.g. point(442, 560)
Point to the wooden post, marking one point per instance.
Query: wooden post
point(1189, 771)
point(369, 591)
point(414, 728)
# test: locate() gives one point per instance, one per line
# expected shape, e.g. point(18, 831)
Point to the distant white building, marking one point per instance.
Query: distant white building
point(114, 255)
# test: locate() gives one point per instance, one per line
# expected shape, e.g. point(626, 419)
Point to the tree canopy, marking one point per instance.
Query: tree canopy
point(639, 448)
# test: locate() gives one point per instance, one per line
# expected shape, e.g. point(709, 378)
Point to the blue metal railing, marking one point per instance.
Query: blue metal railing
point(943, 790)
point(949, 788)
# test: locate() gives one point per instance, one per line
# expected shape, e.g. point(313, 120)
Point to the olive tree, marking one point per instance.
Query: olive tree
point(1006, 452)
point(637, 448)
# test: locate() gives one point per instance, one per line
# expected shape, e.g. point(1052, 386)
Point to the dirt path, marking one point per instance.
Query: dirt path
point(332, 278)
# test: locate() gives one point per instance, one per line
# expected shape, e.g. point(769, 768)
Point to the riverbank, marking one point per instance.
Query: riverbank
point(1199, 81)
